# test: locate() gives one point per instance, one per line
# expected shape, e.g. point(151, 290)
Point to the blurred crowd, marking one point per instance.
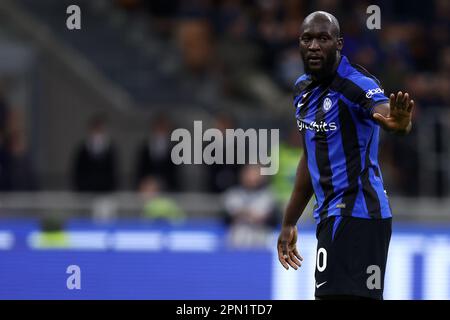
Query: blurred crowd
point(252, 203)
point(231, 45)
point(227, 45)
point(225, 40)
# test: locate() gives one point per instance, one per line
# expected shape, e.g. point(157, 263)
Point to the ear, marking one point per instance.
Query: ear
point(340, 43)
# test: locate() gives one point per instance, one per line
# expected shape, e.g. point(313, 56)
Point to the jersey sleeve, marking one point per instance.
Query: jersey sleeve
point(369, 94)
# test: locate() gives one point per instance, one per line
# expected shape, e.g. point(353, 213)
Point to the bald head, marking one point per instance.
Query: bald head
point(320, 44)
point(322, 17)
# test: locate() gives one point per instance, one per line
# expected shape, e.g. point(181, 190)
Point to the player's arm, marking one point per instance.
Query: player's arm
point(303, 190)
point(395, 116)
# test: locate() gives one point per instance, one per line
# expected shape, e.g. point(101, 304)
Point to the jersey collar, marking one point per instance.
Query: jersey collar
point(344, 66)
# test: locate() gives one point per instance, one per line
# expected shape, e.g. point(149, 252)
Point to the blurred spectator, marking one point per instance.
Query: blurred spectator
point(16, 169)
point(3, 114)
point(4, 180)
point(443, 76)
point(128, 4)
point(163, 14)
point(94, 165)
point(223, 176)
point(288, 66)
point(156, 206)
point(20, 175)
point(153, 157)
point(53, 233)
point(251, 210)
point(195, 43)
point(201, 72)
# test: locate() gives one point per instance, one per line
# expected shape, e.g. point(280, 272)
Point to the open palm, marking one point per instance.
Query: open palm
point(400, 113)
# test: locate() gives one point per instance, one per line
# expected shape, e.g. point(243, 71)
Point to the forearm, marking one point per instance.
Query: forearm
point(300, 196)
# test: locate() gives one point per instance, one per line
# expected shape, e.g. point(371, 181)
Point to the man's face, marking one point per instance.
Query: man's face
point(318, 47)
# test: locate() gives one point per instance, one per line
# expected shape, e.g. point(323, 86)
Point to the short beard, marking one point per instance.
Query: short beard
point(325, 71)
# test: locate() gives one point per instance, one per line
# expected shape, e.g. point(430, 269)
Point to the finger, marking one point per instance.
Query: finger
point(283, 263)
point(298, 254)
point(398, 99)
point(283, 252)
point(392, 102)
point(392, 99)
point(410, 106)
point(282, 259)
point(405, 101)
point(283, 256)
point(291, 263)
point(294, 259)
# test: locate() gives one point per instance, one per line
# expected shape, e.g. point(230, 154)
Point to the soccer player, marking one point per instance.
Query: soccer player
point(339, 110)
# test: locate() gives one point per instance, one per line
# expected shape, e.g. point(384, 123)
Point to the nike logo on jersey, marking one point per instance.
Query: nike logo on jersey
point(320, 284)
point(302, 100)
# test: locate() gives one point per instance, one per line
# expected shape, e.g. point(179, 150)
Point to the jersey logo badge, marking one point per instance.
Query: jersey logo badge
point(327, 104)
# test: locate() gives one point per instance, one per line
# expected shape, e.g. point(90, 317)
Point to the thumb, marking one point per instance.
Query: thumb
point(382, 120)
point(379, 117)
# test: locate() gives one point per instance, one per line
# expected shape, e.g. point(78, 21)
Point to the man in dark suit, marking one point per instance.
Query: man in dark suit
point(95, 160)
point(153, 157)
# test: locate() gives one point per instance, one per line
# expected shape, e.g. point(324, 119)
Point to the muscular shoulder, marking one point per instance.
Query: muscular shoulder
point(368, 84)
point(301, 83)
point(361, 87)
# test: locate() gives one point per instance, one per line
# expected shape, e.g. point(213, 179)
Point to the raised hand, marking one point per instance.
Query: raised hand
point(399, 115)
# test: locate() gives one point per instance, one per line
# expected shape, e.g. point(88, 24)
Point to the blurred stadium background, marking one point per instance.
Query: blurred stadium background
point(85, 122)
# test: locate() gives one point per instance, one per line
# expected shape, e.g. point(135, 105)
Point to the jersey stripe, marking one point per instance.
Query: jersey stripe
point(323, 160)
point(370, 195)
point(306, 99)
point(352, 92)
point(352, 157)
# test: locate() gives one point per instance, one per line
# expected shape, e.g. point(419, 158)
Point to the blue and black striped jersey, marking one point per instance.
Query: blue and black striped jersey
point(341, 142)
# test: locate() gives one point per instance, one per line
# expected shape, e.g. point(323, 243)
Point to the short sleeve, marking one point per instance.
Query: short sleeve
point(369, 94)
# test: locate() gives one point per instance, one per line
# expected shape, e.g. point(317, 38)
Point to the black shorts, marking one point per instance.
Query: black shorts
point(351, 256)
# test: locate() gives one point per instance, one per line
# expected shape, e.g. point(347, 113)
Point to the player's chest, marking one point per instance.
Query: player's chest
point(318, 110)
